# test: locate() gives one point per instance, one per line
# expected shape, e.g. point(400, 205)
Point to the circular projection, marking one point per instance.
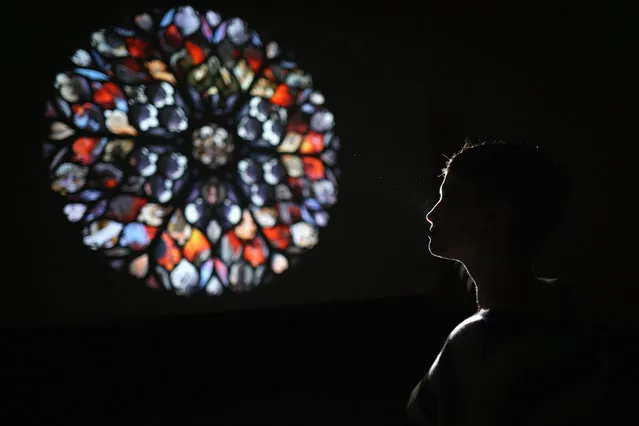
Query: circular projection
point(192, 154)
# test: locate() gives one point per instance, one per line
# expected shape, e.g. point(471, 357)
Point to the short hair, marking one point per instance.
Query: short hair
point(536, 186)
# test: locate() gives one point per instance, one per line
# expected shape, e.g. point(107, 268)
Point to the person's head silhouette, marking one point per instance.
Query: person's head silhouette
point(498, 204)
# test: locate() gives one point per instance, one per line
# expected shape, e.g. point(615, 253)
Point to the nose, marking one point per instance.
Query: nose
point(430, 216)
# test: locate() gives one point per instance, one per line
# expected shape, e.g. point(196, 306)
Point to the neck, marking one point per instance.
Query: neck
point(503, 281)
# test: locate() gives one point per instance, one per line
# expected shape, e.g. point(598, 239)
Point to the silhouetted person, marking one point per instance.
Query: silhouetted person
point(513, 360)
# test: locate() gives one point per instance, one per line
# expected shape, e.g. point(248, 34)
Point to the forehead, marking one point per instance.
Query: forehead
point(456, 183)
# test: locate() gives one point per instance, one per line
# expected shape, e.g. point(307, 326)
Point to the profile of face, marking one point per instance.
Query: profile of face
point(461, 226)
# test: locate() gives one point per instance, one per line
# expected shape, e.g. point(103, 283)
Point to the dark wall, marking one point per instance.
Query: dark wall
point(348, 363)
point(407, 86)
point(352, 363)
point(375, 245)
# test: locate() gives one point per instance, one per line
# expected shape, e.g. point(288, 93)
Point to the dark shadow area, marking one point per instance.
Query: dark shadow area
point(350, 363)
point(344, 337)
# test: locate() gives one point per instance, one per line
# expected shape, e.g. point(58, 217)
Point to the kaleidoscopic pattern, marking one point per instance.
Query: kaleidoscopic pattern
point(193, 155)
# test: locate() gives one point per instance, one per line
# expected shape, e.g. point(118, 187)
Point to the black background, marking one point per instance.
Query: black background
point(407, 83)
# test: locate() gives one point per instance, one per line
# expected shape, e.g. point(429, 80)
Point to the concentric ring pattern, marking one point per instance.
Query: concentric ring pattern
point(191, 153)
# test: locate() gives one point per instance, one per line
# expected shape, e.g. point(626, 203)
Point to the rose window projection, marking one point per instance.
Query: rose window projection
point(191, 153)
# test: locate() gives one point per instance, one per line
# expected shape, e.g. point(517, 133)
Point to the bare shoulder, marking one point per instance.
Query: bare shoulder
point(469, 324)
point(469, 330)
